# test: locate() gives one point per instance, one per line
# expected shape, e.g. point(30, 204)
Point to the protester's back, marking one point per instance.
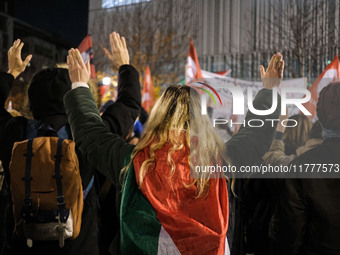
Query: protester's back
point(307, 220)
point(45, 95)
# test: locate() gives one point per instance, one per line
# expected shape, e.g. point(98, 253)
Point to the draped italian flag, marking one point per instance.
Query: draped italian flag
point(164, 217)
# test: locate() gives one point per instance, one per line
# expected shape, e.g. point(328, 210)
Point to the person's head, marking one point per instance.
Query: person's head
point(46, 92)
point(175, 118)
point(328, 107)
point(297, 136)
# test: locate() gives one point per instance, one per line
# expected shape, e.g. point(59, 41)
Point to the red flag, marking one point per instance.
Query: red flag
point(85, 49)
point(148, 99)
point(331, 72)
point(193, 69)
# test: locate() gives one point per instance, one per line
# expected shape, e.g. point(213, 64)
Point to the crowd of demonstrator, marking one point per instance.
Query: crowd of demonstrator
point(77, 180)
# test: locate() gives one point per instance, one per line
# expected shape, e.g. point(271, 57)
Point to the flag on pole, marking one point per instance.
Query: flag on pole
point(331, 72)
point(85, 49)
point(193, 69)
point(148, 99)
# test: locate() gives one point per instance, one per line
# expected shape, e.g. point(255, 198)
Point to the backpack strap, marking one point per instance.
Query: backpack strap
point(64, 132)
point(60, 198)
point(27, 209)
point(88, 188)
point(58, 177)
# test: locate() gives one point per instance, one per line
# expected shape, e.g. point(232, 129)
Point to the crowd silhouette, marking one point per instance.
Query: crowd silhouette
point(77, 179)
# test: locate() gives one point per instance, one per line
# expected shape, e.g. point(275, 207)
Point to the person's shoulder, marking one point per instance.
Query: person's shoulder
point(325, 151)
point(14, 130)
point(127, 68)
point(14, 125)
point(17, 121)
point(7, 76)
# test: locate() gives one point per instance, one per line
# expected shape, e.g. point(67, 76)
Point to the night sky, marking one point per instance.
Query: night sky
point(64, 18)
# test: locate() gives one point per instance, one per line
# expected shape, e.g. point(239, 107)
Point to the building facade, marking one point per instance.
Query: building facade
point(238, 34)
point(47, 50)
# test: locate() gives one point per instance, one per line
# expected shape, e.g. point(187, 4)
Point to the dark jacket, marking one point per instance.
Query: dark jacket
point(252, 203)
point(119, 118)
point(307, 219)
point(106, 151)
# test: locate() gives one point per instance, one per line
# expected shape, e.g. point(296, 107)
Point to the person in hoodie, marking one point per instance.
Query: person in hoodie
point(46, 92)
point(307, 219)
point(163, 208)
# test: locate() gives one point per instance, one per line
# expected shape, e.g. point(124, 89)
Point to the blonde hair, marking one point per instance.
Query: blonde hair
point(174, 119)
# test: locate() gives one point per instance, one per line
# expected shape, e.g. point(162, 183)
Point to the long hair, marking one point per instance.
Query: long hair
point(175, 118)
point(297, 136)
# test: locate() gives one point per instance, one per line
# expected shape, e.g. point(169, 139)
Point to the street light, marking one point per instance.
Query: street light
point(106, 80)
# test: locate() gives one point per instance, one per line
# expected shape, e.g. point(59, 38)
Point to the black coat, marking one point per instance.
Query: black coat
point(307, 219)
point(119, 117)
point(247, 148)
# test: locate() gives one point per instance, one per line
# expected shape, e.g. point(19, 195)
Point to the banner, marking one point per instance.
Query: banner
point(225, 111)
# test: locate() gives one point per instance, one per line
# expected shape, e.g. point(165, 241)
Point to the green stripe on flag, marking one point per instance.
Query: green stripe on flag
point(139, 226)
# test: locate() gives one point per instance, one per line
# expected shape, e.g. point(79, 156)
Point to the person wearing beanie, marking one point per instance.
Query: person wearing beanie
point(307, 219)
point(45, 94)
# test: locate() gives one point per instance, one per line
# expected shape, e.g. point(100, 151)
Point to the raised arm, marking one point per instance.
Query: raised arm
point(248, 146)
point(276, 154)
point(121, 115)
point(15, 67)
point(103, 149)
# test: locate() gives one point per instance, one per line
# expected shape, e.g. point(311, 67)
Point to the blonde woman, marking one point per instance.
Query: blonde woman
point(163, 210)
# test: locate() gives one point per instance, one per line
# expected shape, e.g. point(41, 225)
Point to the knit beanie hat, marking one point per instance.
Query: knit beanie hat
point(46, 92)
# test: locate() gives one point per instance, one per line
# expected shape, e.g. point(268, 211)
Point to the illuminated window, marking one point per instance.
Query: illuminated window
point(115, 3)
